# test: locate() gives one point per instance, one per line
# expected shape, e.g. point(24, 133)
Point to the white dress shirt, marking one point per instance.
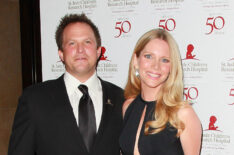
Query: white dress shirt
point(74, 94)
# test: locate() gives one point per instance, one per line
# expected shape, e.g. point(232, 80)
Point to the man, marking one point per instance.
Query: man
point(49, 119)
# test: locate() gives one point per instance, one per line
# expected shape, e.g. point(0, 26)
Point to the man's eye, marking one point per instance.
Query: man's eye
point(88, 41)
point(71, 43)
point(148, 56)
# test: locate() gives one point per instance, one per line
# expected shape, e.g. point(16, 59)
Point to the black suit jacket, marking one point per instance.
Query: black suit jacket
point(45, 124)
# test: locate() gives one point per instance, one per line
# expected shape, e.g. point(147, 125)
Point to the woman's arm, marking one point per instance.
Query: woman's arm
point(191, 136)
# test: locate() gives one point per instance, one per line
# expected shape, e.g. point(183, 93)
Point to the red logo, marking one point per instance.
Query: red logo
point(122, 27)
point(190, 93)
point(103, 57)
point(212, 125)
point(231, 59)
point(167, 24)
point(231, 94)
point(189, 54)
point(215, 23)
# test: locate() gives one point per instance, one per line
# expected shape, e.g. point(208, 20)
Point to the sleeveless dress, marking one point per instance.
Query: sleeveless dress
point(162, 143)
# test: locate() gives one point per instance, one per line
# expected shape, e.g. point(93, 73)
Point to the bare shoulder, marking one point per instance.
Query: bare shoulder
point(191, 135)
point(126, 104)
point(187, 113)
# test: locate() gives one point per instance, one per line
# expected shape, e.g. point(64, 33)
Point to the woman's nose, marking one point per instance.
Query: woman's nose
point(156, 64)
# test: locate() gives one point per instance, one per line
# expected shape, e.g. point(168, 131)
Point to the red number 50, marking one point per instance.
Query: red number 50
point(122, 28)
point(190, 93)
point(164, 24)
point(212, 23)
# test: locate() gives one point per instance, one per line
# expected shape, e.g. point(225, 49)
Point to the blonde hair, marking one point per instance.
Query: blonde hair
point(170, 97)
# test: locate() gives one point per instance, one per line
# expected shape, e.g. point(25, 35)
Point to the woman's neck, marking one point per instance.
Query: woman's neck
point(149, 94)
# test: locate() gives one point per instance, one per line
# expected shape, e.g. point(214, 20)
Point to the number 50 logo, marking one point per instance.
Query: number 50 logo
point(122, 27)
point(190, 93)
point(167, 24)
point(215, 23)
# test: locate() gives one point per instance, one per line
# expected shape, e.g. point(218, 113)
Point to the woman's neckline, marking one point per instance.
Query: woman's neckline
point(146, 102)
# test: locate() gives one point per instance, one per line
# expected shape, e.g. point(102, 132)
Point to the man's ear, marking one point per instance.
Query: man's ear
point(61, 55)
point(99, 51)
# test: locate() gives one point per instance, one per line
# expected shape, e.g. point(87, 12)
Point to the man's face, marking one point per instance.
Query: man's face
point(80, 53)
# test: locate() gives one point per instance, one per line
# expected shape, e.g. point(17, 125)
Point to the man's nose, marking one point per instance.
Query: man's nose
point(80, 47)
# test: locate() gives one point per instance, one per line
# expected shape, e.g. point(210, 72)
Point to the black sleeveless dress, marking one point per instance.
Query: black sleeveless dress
point(162, 143)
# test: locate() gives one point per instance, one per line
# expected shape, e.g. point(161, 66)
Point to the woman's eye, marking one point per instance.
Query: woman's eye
point(165, 60)
point(148, 56)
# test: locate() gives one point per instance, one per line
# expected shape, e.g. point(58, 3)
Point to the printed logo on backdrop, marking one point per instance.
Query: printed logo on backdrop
point(123, 12)
point(231, 97)
point(57, 68)
point(86, 6)
point(215, 21)
point(217, 5)
point(226, 92)
point(123, 28)
point(215, 24)
point(189, 53)
point(167, 23)
point(215, 141)
point(106, 69)
point(103, 55)
point(227, 70)
point(120, 6)
point(212, 125)
point(192, 65)
point(166, 5)
point(191, 93)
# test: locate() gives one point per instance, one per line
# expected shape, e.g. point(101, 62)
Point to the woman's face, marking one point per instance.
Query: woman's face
point(153, 64)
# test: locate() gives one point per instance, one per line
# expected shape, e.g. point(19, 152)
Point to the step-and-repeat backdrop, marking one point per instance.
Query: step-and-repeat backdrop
point(204, 30)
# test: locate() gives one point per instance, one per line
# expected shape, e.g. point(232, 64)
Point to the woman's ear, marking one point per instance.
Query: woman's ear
point(135, 62)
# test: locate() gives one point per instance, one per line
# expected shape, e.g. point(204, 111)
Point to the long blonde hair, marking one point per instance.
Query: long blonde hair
point(170, 97)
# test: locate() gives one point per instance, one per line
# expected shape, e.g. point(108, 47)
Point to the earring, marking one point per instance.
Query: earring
point(137, 73)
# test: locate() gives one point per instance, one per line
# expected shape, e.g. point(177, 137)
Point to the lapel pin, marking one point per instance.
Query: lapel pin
point(109, 102)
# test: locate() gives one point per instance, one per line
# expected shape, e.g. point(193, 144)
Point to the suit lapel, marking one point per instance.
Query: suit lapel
point(65, 109)
point(107, 110)
point(62, 100)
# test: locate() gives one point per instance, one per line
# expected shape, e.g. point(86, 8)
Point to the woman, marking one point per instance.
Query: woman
point(156, 119)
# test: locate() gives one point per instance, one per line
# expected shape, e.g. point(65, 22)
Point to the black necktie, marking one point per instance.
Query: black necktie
point(87, 120)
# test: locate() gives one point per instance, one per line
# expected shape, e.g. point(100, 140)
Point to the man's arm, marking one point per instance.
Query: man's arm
point(23, 131)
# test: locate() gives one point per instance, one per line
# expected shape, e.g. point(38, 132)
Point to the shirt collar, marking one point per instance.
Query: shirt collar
point(93, 83)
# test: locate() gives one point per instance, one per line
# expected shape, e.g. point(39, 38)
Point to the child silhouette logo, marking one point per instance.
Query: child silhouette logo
point(189, 54)
point(212, 126)
point(103, 57)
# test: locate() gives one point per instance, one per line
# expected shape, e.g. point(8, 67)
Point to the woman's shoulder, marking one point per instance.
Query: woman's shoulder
point(191, 135)
point(190, 119)
point(186, 111)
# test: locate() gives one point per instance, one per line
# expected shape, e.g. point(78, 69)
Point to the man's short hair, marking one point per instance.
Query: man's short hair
point(74, 18)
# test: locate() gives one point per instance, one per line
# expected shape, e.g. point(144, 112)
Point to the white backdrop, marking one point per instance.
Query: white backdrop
point(205, 35)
